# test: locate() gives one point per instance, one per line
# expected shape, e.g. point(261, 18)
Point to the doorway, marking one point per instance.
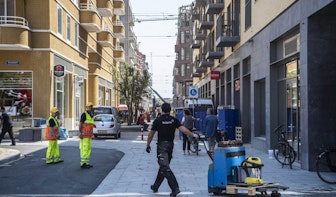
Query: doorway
point(293, 105)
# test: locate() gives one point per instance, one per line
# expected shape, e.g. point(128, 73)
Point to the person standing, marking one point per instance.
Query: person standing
point(211, 123)
point(7, 126)
point(165, 125)
point(86, 126)
point(52, 133)
point(188, 122)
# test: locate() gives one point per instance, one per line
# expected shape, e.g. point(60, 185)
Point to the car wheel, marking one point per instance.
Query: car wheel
point(95, 135)
point(119, 135)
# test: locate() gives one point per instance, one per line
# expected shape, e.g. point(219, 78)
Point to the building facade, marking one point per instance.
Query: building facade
point(183, 69)
point(59, 53)
point(275, 60)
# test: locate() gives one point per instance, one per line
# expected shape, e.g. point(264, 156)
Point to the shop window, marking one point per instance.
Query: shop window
point(16, 94)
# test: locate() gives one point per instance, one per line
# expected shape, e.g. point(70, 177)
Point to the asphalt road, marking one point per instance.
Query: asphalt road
point(30, 175)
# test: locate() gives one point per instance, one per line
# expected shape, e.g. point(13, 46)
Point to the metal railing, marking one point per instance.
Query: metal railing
point(13, 20)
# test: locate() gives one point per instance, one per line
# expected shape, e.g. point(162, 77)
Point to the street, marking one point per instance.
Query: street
point(123, 168)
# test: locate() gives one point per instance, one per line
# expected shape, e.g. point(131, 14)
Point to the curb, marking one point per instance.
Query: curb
point(8, 155)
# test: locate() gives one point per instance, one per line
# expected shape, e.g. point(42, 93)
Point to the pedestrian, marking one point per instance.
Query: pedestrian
point(52, 134)
point(7, 126)
point(211, 123)
point(86, 126)
point(141, 122)
point(188, 122)
point(165, 125)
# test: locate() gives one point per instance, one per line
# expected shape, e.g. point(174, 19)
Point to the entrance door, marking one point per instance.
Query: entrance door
point(293, 105)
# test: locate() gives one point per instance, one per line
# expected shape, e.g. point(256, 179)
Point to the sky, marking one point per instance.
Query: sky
point(157, 39)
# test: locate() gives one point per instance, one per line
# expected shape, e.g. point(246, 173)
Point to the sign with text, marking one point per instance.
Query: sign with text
point(215, 75)
point(59, 70)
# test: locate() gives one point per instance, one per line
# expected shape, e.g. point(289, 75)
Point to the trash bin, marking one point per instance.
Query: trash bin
point(30, 134)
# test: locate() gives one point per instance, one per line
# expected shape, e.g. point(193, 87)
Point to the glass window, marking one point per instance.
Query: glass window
point(59, 19)
point(101, 95)
point(248, 14)
point(68, 27)
point(182, 37)
point(76, 34)
point(16, 95)
point(7, 7)
point(183, 70)
point(182, 54)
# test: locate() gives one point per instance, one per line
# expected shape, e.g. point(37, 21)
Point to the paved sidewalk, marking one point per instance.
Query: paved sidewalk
point(137, 170)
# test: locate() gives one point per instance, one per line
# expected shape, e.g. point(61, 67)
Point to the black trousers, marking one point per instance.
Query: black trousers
point(10, 133)
point(164, 155)
point(186, 142)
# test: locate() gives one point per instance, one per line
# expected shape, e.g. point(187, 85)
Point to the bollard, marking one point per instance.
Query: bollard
point(142, 137)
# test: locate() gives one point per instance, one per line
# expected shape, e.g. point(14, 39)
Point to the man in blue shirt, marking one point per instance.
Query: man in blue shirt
point(211, 123)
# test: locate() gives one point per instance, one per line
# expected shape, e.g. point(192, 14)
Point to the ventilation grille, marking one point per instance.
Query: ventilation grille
point(291, 46)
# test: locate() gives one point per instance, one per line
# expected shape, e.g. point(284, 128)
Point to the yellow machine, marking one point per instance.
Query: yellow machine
point(252, 167)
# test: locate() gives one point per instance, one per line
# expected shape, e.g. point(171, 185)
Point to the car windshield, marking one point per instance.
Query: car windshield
point(102, 110)
point(103, 118)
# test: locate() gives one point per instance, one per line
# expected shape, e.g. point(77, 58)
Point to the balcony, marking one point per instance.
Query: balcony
point(105, 7)
point(200, 35)
point(200, 3)
point(105, 37)
point(196, 44)
point(206, 24)
point(195, 14)
point(214, 7)
point(118, 29)
point(118, 7)
point(227, 41)
point(118, 53)
point(196, 75)
point(94, 59)
point(206, 63)
point(214, 55)
point(89, 17)
point(14, 33)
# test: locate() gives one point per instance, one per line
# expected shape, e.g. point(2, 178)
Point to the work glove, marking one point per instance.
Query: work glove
point(148, 149)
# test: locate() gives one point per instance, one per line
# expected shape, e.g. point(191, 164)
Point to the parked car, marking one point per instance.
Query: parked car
point(106, 125)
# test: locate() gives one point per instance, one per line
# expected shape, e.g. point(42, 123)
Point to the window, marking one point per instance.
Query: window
point(182, 53)
point(248, 14)
point(7, 8)
point(182, 70)
point(76, 34)
point(182, 37)
point(68, 27)
point(59, 19)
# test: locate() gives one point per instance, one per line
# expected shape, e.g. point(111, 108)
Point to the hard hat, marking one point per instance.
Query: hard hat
point(88, 104)
point(54, 110)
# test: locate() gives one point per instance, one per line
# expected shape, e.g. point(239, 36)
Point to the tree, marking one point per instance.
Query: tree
point(132, 85)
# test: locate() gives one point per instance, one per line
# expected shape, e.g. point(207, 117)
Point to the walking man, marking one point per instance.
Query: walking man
point(211, 123)
point(52, 133)
point(165, 125)
point(86, 126)
point(7, 126)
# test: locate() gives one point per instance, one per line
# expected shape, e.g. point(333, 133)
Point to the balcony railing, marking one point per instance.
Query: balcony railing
point(13, 20)
point(89, 17)
point(14, 33)
point(118, 7)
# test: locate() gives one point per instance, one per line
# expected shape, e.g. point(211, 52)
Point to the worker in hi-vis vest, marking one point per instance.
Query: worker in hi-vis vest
point(86, 126)
point(53, 152)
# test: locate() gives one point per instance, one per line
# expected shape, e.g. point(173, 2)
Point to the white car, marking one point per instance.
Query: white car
point(106, 125)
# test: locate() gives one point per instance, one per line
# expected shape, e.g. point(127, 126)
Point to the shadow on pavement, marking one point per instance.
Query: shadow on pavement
point(30, 175)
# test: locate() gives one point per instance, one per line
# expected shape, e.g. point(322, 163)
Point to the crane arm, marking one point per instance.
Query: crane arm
point(155, 19)
point(158, 95)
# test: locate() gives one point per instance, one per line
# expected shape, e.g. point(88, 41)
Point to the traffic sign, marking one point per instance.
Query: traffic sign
point(193, 92)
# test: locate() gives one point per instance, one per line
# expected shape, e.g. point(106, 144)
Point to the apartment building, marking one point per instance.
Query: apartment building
point(58, 53)
point(276, 65)
point(182, 74)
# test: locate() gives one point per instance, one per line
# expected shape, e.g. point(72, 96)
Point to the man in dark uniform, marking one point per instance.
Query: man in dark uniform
point(165, 125)
point(7, 126)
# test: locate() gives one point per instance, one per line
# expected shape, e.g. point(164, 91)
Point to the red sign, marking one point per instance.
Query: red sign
point(59, 70)
point(215, 75)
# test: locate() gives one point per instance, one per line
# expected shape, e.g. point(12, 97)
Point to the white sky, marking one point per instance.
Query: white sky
point(159, 51)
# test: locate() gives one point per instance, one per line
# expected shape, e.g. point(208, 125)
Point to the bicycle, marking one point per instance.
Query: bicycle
point(194, 143)
point(326, 165)
point(283, 151)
